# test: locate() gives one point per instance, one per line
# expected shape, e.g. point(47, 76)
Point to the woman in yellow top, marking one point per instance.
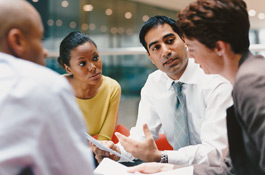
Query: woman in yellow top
point(97, 95)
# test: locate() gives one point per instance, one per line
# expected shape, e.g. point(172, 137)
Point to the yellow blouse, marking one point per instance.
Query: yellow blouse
point(101, 111)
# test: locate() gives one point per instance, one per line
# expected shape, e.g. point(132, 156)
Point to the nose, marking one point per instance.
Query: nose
point(166, 51)
point(91, 68)
point(45, 53)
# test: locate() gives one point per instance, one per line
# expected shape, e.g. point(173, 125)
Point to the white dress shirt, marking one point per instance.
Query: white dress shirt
point(207, 98)
point(41, 125)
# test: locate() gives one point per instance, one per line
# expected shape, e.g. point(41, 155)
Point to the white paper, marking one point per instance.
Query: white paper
point(110, 167)
point(104, 148)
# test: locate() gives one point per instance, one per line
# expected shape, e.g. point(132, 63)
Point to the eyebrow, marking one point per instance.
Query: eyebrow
point(165, 36)
point(94, 53)
point(83, 57)
point(80, 58)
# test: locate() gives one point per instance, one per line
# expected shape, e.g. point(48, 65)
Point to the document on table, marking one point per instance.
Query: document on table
point(110, 167)
point(104, 148)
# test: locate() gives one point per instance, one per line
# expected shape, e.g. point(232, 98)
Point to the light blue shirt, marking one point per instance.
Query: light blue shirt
point(41, 125)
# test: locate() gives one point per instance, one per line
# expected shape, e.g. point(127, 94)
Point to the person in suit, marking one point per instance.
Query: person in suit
point(217, 35)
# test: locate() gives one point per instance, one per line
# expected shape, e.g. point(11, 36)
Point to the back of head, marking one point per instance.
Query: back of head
point(211, 20)
point(70, 42)
point(21, 31)
point(13, 14)
point(154, 22)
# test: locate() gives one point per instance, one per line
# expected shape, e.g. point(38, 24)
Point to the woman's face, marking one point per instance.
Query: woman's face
point(208, 59)
point(85, 64)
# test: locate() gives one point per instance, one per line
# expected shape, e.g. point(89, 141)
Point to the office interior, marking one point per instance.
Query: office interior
point(114, 25)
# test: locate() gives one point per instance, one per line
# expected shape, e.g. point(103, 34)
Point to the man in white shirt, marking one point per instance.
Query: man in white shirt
point(41, 126)
point(207, 98)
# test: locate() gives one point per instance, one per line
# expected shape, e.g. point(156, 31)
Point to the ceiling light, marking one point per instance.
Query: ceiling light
point(72, 24)
point(50, 22)
point(261, 16)
point(145, 18)
point(252, 12)
point(108, 12)
point(128, 15)
point(88, 7)
point(92, 26)
point(65, 3)
point(84, 26)
point(59, 22)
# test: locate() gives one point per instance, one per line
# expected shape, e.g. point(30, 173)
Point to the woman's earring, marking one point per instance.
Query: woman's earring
point(187, 49)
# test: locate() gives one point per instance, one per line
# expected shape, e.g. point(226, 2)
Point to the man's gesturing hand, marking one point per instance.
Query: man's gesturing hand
point(145, 150)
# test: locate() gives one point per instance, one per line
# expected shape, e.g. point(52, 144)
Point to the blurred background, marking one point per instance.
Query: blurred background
point(114, 25)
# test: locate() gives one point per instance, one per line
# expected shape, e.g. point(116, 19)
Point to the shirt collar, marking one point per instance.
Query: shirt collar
point(190, 75)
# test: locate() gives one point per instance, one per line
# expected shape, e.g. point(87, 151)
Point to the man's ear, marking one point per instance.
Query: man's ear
point(149, 57)
point(220, 48)
point(16, 42)
point(68, 69)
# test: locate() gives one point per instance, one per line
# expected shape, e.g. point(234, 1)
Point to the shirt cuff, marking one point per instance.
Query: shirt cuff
point(177, 157)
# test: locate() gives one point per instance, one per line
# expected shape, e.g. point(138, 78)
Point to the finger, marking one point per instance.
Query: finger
point(147, 132)
point(111, 145)
point(90, 143)
point(99, 152)
point(143, 168)
point(135, 169)
point(125, 141)
point(98, 158)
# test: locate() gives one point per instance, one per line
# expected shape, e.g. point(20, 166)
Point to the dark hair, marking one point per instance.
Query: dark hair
point(70, 42)
point(211, 20)
point(154, 22)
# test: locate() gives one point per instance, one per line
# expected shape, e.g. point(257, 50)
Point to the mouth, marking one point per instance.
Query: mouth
point(170, 61)
point(95, 75)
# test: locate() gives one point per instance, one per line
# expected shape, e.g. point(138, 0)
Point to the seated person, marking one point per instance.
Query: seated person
point(204, 100)
point(97, 95)
point(220, 43)
point(41, 126)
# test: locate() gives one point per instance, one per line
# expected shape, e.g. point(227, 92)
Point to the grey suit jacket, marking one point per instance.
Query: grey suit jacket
point(246, 129)
point(245, 122)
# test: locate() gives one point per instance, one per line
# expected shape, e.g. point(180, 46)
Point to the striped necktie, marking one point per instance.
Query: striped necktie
point(181, 130)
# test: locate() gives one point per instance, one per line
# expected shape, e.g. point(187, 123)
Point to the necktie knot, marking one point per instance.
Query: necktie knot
point(177, 87)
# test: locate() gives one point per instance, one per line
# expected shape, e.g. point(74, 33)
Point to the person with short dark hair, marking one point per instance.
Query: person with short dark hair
point(217, 35)
point(97, 95)
point(188, 106)
point(41, 126)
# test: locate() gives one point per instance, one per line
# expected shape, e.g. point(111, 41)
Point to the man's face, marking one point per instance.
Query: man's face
point(209, 61)
point(34, 51)
point(167, 50)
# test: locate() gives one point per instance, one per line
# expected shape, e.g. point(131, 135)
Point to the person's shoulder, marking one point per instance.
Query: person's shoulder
point(111, 84)
point(254, 64)
point(40, 76)
point(157, 76)
point(110, 81)
point(251, 72)
point(214, 82)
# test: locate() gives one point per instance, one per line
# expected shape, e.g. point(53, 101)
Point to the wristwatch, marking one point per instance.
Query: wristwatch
point(164, 157)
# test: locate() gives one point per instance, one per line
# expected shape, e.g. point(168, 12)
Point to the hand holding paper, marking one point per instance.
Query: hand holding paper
point(102, 147)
